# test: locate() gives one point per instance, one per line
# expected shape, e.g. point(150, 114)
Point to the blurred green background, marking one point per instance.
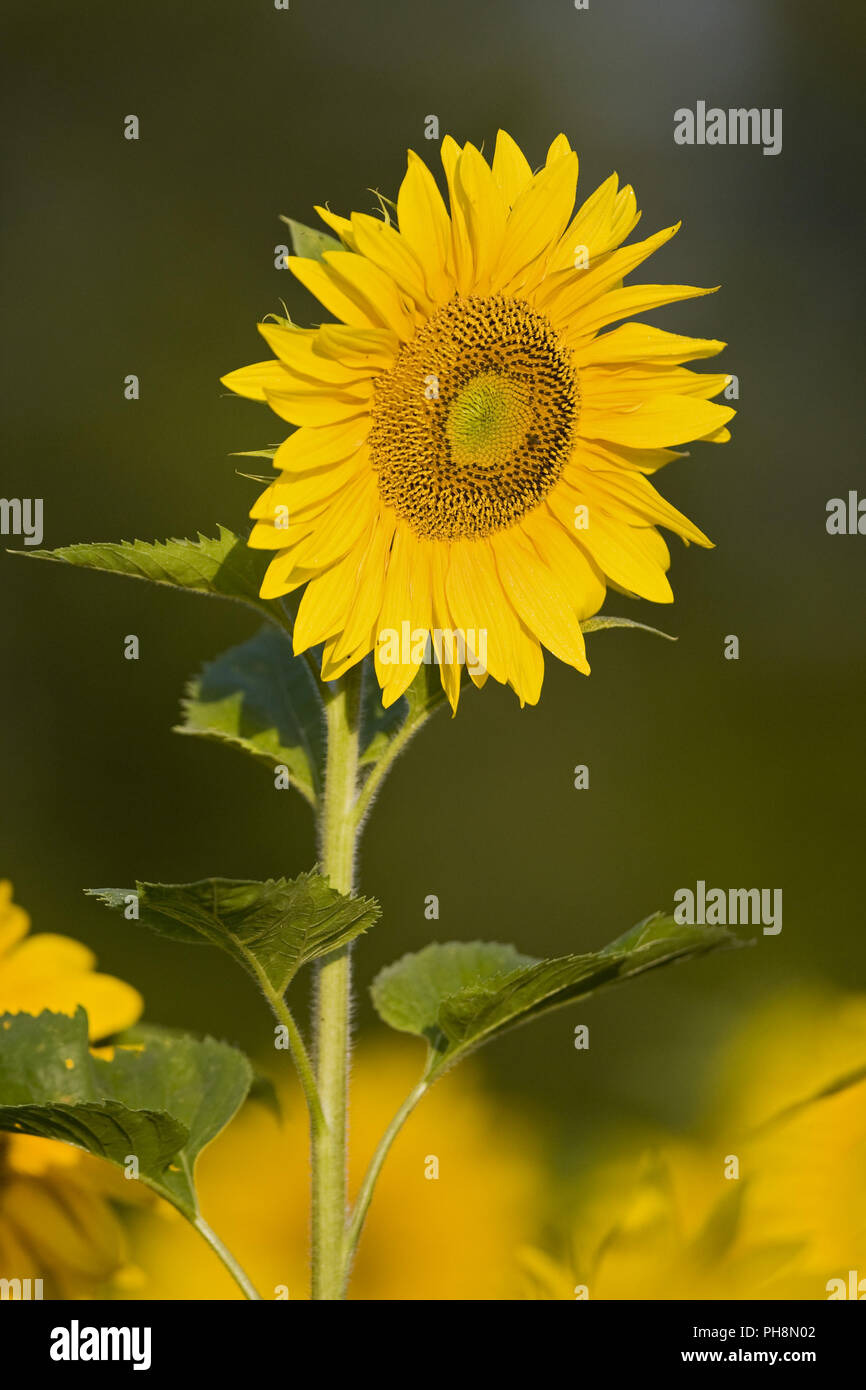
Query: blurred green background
point(156, 258)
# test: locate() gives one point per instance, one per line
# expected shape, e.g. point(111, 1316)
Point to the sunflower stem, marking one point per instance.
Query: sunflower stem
point(337, 843)
point(383, 764)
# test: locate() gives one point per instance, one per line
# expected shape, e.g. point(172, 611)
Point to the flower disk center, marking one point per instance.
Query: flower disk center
point(489, 418)
point(472, 427)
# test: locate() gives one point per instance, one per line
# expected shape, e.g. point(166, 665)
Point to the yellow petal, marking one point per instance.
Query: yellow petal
point(14, 921)
point(625, 216)
point(450, 667)
point(406, 599)
point(373, 289)
point(592, 453)
point(255, 380)
point(386, 248)
point(477, 600)
point(537, 219)
point(372, 348)
point(633, 299)
point(310, 448)
point(619, 388)
point(563, 296)
point(484, 212)
point(527, 673)
point(44, 957)
point(425, 225)
point(368, 587)
point(335, 530)
point(560, 146)
point(36, 1157)
point(461, 242)
point(53, 1232)
point(335, 293)
point(637, 342)
point(624, 553)
point(278, 579)
point(511, 171)
point(14, 1253)
point(341, 226)
point(590, 231)
point(266, 535)
point(658, 422)
point(296, 350)
point(326, 600)
point(333, 669)
point(111, 1004)
point(539, 598)
point(579, 576)
point(326, 406)
point(639, 501)
point(296, 491)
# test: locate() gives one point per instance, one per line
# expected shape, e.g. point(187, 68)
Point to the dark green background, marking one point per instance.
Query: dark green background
point(156, 257)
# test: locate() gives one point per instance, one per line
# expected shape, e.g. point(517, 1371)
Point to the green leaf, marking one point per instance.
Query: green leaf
point(309, 241)
point(161, 1098)
point(378, 726)
point(272, 929)
point(223, 566)
point(426, 693)
point(408, 995)
point(460, 994)
point(259, 697)
point(604, 620)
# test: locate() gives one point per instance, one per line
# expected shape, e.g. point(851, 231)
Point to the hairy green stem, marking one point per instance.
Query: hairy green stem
point(383, 765)
point(337, 837)
point(304, 1067)
point(240, 1277)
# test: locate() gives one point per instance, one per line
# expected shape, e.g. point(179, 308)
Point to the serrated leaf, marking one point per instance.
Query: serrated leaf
point(223, 566)
point(259, 697)
point(604, 620)
point(309, 241)
point(160, 1098)
point(272, 929)
point(459, 995)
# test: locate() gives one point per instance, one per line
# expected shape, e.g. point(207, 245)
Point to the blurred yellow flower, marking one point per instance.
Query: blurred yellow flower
point(767, 1201)
point(56, 1218)
point(427, 1237)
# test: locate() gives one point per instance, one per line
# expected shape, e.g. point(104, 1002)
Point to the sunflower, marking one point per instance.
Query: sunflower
point(57, 1222)
point(472, 452)
point(664, 1219)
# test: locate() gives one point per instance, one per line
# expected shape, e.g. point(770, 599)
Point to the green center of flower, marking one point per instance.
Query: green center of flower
point(487, 420)
point(474, 424)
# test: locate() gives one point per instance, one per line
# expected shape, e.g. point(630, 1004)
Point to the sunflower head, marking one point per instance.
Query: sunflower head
point(473, 438)
point(57, 1222)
